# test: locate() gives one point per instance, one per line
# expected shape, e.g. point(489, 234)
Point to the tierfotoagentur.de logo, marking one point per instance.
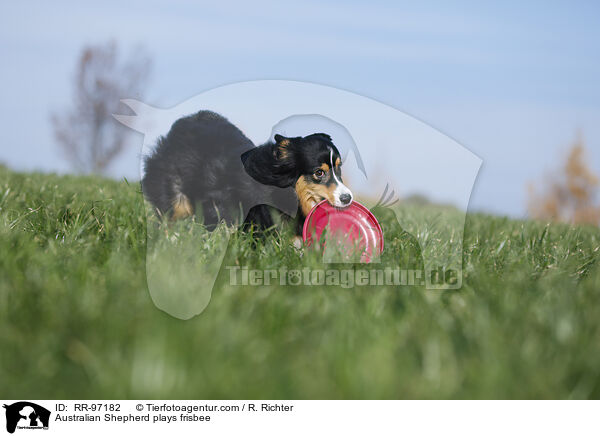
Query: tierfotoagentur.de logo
point(24, 415)
point(352, 170)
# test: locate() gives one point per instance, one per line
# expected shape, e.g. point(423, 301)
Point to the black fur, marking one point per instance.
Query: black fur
point(211, 163)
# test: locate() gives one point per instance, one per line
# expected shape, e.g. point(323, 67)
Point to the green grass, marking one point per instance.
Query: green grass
point(77, 320)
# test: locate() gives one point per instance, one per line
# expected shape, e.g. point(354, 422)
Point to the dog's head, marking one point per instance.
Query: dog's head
point(311, 164)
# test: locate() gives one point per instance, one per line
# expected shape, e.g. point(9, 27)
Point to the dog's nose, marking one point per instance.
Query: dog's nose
point(345, 198)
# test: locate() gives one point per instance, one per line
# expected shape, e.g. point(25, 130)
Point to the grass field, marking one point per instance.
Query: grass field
point(77, 321)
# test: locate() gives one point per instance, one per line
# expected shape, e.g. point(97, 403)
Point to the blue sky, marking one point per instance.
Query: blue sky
point(512, 81)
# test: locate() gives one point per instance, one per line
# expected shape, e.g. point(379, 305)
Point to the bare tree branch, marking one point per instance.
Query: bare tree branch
point(87, 134)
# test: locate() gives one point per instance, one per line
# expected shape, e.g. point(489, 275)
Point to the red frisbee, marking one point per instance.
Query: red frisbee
point(354, 228)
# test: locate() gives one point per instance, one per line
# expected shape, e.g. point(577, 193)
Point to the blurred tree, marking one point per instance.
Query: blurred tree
point(570, 195)
point(87, 133)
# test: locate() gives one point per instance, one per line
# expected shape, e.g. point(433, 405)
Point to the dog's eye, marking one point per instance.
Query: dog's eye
point(319, 173)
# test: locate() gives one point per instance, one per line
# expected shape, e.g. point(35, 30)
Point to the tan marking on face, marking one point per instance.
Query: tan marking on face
point(182, 207)
point(309, 194)
point(324, 167)
point(338, 162)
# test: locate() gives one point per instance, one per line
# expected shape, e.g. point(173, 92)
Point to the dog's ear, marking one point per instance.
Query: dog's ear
point(280, 138)
point(270, 165)
point(281, 149)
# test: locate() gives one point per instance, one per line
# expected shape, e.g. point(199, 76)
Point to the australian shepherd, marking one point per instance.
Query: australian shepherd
point(206, 166)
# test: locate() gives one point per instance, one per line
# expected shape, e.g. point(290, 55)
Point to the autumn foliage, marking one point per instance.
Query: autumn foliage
point(569, 195)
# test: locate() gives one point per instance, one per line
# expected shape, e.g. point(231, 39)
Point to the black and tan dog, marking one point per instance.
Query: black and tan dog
point(206, 166)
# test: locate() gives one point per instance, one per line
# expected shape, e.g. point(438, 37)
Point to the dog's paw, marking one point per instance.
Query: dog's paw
point(297, 242)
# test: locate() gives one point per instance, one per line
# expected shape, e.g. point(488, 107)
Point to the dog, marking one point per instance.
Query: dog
point(206, 166)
